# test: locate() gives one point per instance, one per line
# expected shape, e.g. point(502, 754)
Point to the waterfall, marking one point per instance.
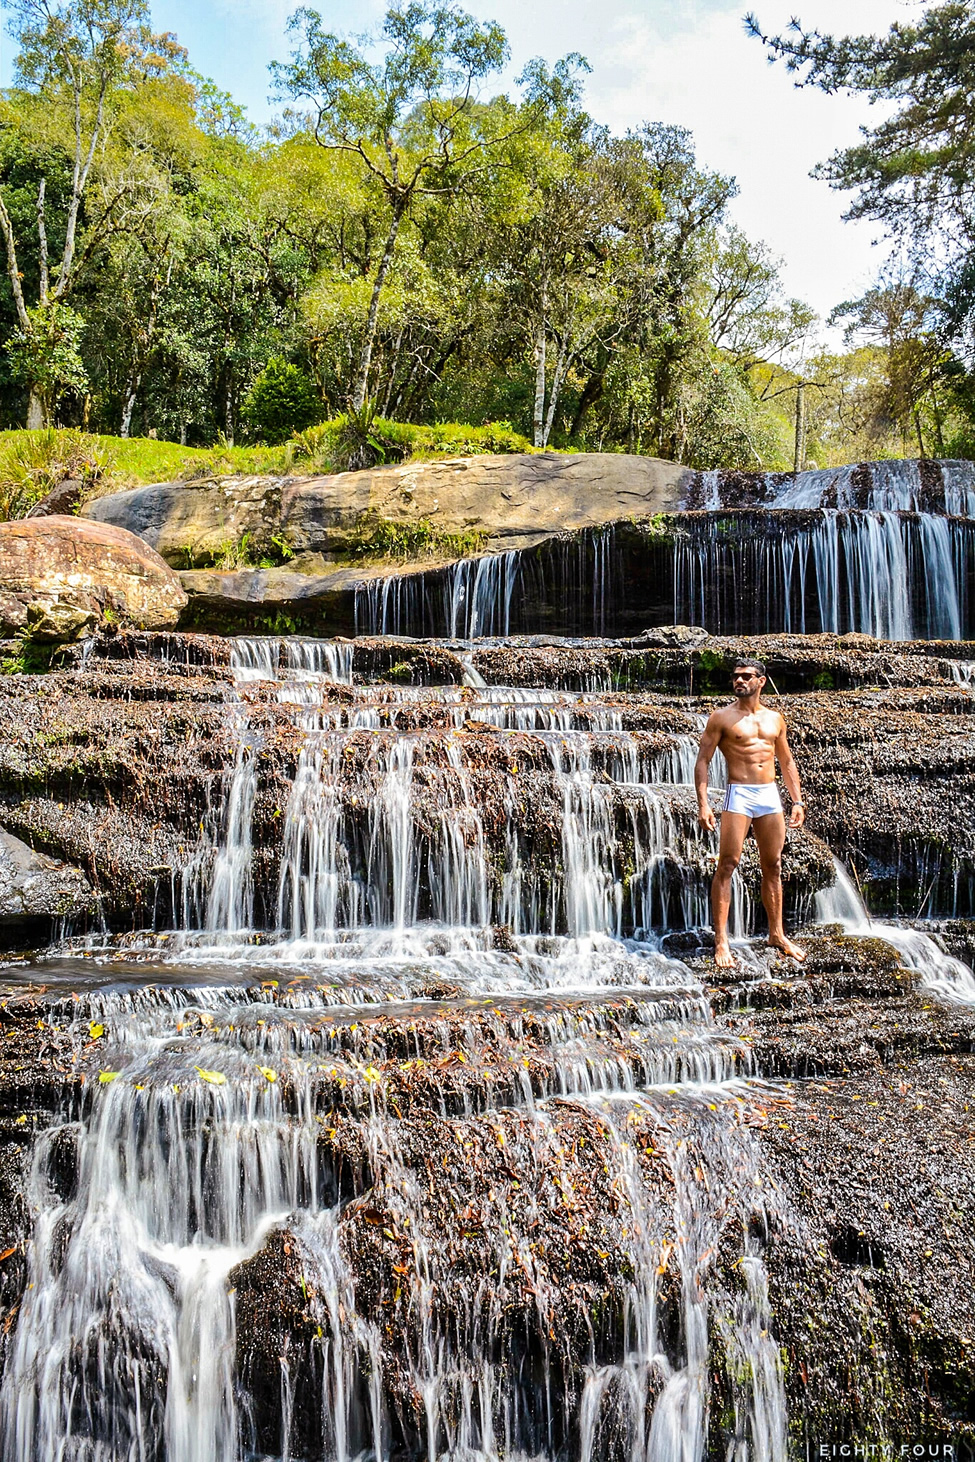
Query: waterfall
point(941, 973)
point(300, 666)
point(884, 548)
point(496, 595)
point(363, 850)
point(909, 486)
point(420, 1141)
point(197, 1155)
point(190, 1161)
point(469, 600)
point(884, 574)
point(498, 950)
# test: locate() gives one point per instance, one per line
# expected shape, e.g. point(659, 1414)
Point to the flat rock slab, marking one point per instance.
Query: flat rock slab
point(509, 498)
point(513, 500)
point(69, 563)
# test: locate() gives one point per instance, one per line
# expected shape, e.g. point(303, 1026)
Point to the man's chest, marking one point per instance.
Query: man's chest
point(754, 732)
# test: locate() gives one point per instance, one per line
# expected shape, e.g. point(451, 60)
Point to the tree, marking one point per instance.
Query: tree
point(672, 259)
point(915, 171)
point(560, 248)
point(282, 400)
point(409, 118)
point(897, 315)
point(72, 58)
point(749, 320)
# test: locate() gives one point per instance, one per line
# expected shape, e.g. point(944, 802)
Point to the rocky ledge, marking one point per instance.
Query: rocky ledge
point(859, 1161)
point(119, 768)
point(508, 501)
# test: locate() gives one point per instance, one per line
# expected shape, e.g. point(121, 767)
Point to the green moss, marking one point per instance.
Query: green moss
point(380, 538)
point(658, 528)
point(249, 551)
point(29, 658)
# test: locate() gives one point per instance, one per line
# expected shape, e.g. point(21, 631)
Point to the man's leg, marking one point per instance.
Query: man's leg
point(770, 837)
point(734, 826)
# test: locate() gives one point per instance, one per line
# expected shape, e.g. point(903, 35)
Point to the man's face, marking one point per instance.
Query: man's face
point(745, 682)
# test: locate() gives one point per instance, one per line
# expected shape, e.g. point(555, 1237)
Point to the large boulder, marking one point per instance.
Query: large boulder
point(513, 500)
point(61, 575)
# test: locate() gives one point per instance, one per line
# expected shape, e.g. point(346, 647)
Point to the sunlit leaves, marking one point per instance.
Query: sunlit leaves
point(214, 1078)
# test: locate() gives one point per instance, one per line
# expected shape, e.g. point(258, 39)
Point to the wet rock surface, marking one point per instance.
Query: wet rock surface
point(888, 770)
point(860, 1198)
point(36, 888)
point(478, 1177)
point(872, 1268)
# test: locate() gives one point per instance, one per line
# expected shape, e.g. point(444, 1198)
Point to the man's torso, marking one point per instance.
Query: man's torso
point(748, 744)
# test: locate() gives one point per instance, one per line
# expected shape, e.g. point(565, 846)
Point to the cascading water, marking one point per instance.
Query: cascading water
point(941, 973)
point(885, 574)
point(415, 1140)
point(885, 549)
point(217, 1123)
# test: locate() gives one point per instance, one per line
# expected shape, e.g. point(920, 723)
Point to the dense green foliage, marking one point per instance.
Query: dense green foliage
point(281, 401)
point(403, 250)
point(401, 245)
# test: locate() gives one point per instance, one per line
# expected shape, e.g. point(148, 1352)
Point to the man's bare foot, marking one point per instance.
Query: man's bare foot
point(723, 957)
point(786, 947)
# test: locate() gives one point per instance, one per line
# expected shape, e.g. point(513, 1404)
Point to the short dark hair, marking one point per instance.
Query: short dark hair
point(755, 665)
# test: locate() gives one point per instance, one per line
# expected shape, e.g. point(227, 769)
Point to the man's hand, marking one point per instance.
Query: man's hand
point(706, 818)
point(797, 816)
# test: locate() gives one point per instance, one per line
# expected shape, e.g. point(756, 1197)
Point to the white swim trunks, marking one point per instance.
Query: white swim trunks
point(753, 801)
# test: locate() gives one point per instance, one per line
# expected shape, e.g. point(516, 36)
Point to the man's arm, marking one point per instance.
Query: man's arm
point(710, 737)
point(790, 776)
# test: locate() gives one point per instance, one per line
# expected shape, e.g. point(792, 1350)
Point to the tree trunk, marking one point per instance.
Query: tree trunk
point(128, 406)
point(938, 425)
point(561, 366)
point(365, 357)
point(393, 368)
point(917, 428)
point(37, 416)
point(538, 416)
point(229, 410)
point(799, 460)
point(591, 393)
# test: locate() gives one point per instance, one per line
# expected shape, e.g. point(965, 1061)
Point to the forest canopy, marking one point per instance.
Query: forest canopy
point(409, 242)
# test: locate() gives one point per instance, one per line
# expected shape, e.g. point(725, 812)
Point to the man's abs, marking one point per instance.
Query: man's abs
point(752, 765)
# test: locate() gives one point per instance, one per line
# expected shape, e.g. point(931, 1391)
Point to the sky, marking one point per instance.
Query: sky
point(678, 61)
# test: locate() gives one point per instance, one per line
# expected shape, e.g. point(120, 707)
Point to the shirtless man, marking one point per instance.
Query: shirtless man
point(750, 737)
